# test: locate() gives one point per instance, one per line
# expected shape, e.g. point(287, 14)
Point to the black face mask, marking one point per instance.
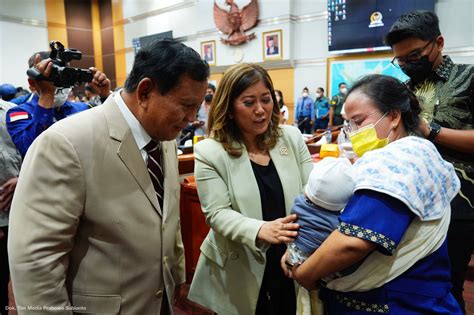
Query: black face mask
point(418, 70)
point(208, 98)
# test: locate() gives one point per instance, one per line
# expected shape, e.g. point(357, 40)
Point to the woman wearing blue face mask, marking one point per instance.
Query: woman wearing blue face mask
point(396, 222)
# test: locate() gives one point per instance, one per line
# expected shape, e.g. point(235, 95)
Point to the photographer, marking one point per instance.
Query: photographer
point(47, 104)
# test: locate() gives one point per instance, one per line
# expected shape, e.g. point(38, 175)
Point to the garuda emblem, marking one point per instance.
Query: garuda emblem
point(235, 22)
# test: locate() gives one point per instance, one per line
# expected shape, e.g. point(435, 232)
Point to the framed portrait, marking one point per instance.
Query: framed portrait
point(349, 69)
point(208, 52)
point(272, 45)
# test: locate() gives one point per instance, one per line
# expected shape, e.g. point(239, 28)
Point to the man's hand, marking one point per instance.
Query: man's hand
point(100, 83)
point(279, 231)
point(424, 128)
point(44, 88)
point(197, 123)
point(6, 193)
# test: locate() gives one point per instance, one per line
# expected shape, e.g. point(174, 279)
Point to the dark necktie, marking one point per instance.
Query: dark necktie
point(155, 168)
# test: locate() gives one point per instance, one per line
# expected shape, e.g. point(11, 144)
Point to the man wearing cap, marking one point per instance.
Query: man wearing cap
point(7, 92)
point(46, 105)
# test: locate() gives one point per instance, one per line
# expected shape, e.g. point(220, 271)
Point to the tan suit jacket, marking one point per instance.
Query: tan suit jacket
point(85, 225)
point(230, 269)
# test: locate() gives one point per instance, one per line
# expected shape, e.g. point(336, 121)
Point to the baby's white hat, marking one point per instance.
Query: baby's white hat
point(330, 184)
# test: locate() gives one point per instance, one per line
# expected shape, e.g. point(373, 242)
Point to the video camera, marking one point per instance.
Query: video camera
point(62, 76)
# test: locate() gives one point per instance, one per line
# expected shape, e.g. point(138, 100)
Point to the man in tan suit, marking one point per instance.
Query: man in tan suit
point(95, 226)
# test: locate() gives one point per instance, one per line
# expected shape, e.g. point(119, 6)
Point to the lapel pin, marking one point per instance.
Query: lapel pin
point(283, 151)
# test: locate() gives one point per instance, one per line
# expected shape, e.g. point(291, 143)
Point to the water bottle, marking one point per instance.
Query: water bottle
point(328, 135)
point(345, 146)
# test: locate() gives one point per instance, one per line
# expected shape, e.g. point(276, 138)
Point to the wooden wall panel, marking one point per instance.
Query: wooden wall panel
point(107, 40)
point(56, 17)
point(119, 42)
point(79, 30)
point(283, 80)
point(96, 34)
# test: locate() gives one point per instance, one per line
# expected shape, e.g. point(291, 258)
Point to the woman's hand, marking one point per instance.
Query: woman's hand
point(279, 231)
point(304, 280)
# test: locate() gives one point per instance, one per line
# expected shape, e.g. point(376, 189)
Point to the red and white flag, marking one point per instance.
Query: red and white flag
point(18, 116)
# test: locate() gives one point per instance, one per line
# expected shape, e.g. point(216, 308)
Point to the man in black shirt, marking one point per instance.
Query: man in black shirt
point(446, 92)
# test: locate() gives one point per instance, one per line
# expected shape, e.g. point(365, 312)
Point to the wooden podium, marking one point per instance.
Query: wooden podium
point(193, 225)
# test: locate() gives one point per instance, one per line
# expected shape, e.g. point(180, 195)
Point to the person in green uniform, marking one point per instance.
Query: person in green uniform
point(336, 103)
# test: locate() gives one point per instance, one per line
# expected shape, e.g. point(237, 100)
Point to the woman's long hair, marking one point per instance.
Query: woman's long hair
point(222, 126)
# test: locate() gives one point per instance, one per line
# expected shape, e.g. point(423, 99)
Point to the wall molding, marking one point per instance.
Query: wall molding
point(171, 8)
point(316, 62)
point(287, 18)
point(269, 65)
point(30, 22)
point(282, 19)
point(465, 51)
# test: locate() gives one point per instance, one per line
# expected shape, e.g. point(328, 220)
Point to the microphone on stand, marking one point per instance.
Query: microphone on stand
point(301, 122)
point(187, 134)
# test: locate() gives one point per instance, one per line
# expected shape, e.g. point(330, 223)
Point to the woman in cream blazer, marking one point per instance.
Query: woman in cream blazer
point(233, 257)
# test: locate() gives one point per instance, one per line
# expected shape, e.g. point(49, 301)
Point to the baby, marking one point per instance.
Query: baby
point(329, 188)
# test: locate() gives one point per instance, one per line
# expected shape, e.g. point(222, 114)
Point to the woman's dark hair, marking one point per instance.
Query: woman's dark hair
point(281, 102)
point(165, 61)
point(389, 94)
point(419, 24)
point(221, 125)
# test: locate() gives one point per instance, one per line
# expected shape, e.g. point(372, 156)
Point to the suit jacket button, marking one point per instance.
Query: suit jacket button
point(159, 293)
point(234, 255)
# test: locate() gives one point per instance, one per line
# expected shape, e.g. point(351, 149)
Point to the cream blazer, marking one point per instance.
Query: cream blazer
point(231, 265)
point(85, 227)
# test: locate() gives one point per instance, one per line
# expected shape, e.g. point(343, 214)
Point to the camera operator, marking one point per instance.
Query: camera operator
point(47, 104)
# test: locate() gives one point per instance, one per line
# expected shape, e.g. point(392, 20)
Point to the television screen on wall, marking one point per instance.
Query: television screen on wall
point(360, 25)
point(145, 40)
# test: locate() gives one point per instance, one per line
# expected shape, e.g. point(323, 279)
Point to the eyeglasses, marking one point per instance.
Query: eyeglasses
point(413, 56)
point(352, 125)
